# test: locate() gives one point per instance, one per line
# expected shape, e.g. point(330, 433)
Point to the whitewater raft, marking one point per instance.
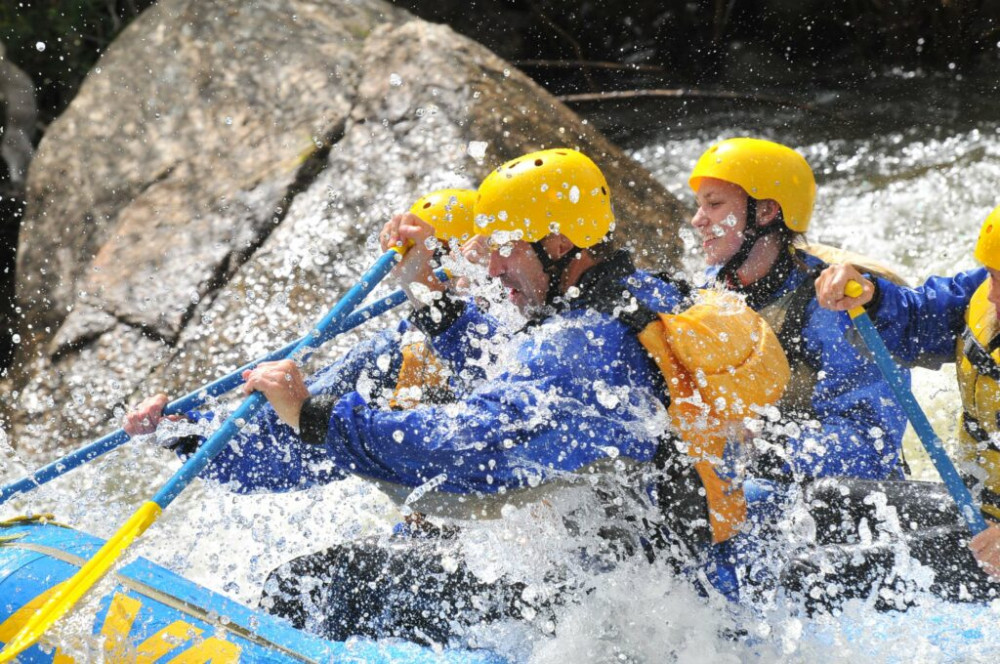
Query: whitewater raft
point(153, 615)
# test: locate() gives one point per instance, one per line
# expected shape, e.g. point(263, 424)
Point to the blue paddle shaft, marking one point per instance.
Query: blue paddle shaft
point(192, 400)
point(300, 352)
point(932, 443)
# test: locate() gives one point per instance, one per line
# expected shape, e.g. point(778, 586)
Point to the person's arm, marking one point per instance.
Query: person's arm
point(921, 325)
point(577, 400)
point(459, 332)
point(860, 426)
point(986, 549)
point(918, 325)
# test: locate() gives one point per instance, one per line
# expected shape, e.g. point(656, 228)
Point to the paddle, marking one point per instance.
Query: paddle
point(932, 443)
point(72, 590)
point(191, 401)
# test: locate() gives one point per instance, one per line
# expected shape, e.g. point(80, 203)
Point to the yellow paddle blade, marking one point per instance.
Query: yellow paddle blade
point(69, 593)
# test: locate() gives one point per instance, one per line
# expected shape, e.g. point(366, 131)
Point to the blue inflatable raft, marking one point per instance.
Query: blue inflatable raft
point(153, 615)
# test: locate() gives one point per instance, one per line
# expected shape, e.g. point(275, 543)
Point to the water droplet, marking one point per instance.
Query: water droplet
point(40, 46)
point(574, 194)
point(476, 149)
point(395, 80)
point(398, 436)
point(229, 120)
point(16, 338)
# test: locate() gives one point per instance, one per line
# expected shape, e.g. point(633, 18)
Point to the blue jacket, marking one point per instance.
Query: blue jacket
point(922, 325)
point(573, 389)
point(861, 427)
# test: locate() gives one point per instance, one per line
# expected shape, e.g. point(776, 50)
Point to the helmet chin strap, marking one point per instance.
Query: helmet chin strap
point(752, 231)
point(555, 268)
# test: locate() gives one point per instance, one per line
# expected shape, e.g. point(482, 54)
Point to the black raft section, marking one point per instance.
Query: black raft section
point(891, 540)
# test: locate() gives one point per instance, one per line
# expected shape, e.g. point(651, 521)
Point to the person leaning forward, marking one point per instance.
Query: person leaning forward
point(543, 415)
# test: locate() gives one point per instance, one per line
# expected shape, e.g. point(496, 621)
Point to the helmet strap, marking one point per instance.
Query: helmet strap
point(752, 232)
point(555, 268)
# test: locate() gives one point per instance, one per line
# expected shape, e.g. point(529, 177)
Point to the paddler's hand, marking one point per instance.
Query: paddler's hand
point(476, 250)
point(144, 418)
point(414, 272)
point(986, 548)
point(282, 383)
point(830, 287)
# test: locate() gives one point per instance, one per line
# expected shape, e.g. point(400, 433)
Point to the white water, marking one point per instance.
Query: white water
point(912, 197)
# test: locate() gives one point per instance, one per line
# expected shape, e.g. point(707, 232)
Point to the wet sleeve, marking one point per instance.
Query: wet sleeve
point(555, 415)
point(268, 456)
point(921, 325)
point(857, 426)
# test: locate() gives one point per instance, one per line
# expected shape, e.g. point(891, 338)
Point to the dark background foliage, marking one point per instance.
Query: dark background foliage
point(74, 34)
point(692, 42)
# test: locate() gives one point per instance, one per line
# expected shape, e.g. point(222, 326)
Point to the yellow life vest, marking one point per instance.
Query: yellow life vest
point(422, 378)
point(721, 361)
point(977, 358)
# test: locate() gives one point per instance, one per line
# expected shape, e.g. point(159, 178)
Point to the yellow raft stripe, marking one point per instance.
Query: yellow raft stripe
point(155, 594)
point(164, 641)
point(117, 625)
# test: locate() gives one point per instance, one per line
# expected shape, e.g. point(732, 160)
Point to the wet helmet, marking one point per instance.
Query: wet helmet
point(552, 191)
point(988, 244)
point(765, 170)
point(450, 212)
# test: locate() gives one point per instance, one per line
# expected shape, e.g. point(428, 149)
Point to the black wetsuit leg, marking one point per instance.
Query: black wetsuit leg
point(413, 588)
point(824, 578)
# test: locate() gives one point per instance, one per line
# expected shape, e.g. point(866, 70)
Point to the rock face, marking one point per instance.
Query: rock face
point(219, 179)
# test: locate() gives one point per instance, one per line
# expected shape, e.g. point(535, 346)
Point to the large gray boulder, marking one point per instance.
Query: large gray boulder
point(219, 178)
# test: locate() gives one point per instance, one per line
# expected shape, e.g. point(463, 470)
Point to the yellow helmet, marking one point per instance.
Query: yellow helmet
point(450, 212)
point(552, 191)
point(764, 170)
point(988, 244)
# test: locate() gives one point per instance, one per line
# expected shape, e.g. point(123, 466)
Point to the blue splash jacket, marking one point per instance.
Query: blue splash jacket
point(861, 427)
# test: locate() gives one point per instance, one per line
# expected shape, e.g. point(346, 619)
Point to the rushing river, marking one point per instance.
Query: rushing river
point(908, 167)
